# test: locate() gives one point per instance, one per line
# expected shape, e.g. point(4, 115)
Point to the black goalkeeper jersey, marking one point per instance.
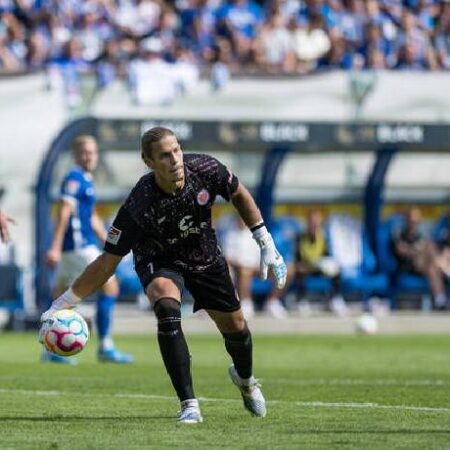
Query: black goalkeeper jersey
point(173, 229)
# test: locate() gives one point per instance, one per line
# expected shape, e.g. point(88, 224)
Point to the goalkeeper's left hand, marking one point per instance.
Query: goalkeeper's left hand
point(270, 257)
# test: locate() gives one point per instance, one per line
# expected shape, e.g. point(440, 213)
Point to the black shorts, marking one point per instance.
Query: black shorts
point(211, 289)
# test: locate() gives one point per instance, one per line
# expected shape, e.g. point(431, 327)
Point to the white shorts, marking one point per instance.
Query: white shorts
point(73, 263)
point(240, 248)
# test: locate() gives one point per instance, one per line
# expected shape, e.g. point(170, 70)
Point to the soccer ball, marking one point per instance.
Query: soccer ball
point(66, 333)
point(367, 324)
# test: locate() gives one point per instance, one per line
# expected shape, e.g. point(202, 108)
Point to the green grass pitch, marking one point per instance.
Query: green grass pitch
point(378, 392)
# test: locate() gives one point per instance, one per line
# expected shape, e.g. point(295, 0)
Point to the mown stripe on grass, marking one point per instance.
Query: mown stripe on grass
point(300, 382)
point(314, 404)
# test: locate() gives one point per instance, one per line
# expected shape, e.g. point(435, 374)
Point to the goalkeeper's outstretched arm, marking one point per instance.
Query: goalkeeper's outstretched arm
point(94, 276)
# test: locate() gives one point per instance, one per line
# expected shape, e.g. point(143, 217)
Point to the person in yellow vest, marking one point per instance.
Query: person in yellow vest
point(313, 258)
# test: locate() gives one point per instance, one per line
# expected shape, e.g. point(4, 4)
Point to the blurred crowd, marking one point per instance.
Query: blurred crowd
point(275, 36)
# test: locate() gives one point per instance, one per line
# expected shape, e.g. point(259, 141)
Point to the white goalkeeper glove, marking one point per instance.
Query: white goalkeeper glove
point(67, 300)
point(270, 257)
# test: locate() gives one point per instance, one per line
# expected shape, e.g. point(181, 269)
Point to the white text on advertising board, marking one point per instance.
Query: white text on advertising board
point(284, 132)
point(400, 133)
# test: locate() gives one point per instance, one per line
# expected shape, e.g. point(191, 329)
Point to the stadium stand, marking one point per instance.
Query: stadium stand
point(277, 37)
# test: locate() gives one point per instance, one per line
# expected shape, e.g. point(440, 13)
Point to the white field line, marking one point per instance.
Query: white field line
point(315, 404)
point(356, 382)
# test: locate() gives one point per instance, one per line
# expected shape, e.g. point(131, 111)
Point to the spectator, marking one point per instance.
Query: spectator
point(423, 10)
point(274, 49)
point(416, 254)
point(442, 40)
point(350, 23)
point(137, 18)
point(338, 57)
point(151, 77)
point(377, 51)
point(412, 58)
point(109, 66)
point(243, 256)
point(167, 32)
point(443, 242)
point(220, 67)
point(70, 65)
point(12, 50)
point(242, 20)
point(37, 51)
point(91, 32)
point(313, 258)
point(198, 23)
point(414, 46)
point(287, 8)
point(310, 43)
point(375, 59)
point(185, 71)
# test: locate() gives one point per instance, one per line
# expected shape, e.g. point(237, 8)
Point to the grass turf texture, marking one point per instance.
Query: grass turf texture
point(330, 392)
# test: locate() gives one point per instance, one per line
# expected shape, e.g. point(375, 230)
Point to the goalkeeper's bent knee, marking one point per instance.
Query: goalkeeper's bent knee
point(168, 313)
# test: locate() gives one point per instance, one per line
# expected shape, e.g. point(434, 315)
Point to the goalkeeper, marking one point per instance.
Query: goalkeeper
point(166, 222)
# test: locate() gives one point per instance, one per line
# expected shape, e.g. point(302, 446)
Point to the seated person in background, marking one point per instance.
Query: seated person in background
point(418, 255)
point(443, 257)
point(312, 258)
point(243, 255)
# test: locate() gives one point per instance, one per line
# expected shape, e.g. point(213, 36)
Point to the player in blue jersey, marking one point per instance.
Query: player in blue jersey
point(74, 245)
point(166, 223)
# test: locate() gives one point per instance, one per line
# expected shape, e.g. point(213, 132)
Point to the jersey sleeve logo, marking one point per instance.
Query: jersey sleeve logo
point(113, 235)
point(203, 197)
point(72, 187)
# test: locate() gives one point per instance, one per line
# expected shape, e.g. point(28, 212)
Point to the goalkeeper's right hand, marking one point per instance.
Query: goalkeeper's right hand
point(67, 300)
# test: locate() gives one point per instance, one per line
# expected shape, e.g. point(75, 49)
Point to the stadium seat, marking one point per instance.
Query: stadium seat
point(317, 284)
point(359, 270)
point(285, 230)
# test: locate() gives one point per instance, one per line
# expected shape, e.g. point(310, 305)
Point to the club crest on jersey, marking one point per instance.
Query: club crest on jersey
point(113, 235)
point(203, 197)
point(72, 187)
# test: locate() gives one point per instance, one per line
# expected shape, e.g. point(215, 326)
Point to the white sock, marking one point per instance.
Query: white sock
point(247, 381)
point(106, 343)
point(189, 403)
